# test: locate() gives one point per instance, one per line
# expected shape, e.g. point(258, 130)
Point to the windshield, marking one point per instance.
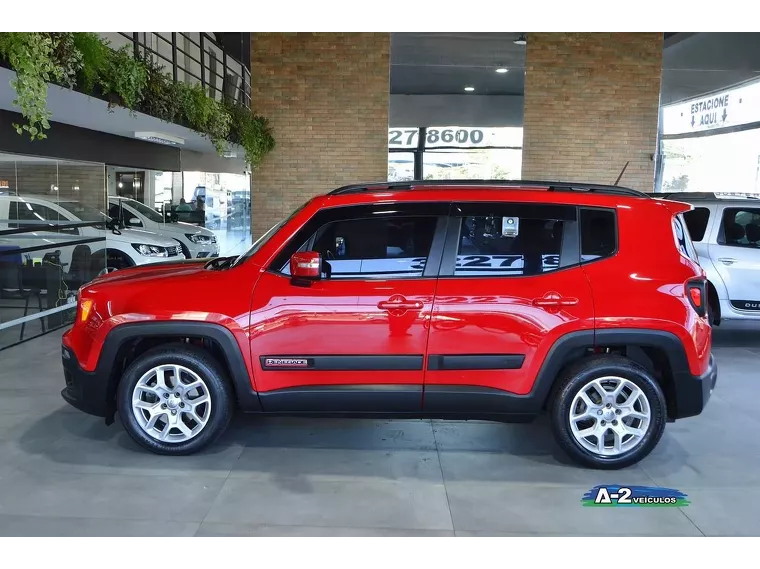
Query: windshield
point(84, 212)
point(261, 241)
point(145, 211)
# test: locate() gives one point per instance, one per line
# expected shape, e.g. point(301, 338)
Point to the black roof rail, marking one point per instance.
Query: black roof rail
point(551, 186)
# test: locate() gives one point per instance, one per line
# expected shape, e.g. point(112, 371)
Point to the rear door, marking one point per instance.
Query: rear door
point(736, 255)
point(510, 285)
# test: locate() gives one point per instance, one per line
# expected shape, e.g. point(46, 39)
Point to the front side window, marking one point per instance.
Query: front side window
point(504, 243)
point(376, 247)
point(740, 227)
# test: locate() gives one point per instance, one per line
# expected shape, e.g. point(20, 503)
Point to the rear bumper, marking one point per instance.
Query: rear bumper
point(84, 390)
point(693, 392)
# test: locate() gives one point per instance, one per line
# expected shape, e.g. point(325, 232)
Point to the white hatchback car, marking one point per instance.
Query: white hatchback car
point(197, 242)
point(725, 229)
point(123, 247)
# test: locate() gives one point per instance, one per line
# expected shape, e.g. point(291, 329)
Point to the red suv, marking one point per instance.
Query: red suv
point(448, 299)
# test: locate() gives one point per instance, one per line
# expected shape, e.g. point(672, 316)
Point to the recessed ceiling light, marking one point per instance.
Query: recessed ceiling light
point(522, 40)
point(502, 70)
point(469, 88)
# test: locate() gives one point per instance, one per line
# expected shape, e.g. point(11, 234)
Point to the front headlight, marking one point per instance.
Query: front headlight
point(197, 238)
point(150, 250)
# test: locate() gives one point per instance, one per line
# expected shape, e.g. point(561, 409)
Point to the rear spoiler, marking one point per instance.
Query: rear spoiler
point(676, 207)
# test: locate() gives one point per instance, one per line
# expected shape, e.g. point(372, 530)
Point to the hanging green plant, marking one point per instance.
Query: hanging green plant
point(31, 56)
point(204, 114)
point(250, 131)
point(86, 62)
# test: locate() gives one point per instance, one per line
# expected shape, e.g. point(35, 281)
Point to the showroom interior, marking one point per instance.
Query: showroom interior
point(111, 187)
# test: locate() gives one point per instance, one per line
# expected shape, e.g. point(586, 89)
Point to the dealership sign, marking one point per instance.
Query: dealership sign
point(732, 107)
point(455, 137)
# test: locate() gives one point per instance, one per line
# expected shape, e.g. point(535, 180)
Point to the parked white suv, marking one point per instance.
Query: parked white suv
point(197, 242)
point(124, 247)
point(725, 229)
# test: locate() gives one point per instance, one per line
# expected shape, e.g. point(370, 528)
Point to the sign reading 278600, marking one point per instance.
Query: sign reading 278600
point(437, 137)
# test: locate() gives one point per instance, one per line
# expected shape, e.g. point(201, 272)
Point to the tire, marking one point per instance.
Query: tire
point(632, 447)
point(195, 365)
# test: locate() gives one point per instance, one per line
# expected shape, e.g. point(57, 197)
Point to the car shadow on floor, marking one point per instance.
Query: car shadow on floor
point(283, 447)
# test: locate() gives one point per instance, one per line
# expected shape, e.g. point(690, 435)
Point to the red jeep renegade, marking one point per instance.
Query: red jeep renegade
point(459, 300)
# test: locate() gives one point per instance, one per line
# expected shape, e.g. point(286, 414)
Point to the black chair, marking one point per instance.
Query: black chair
point(81, 265)
point(16, 278)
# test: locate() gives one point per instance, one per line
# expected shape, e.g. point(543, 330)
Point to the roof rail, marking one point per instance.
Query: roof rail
point(550, 186)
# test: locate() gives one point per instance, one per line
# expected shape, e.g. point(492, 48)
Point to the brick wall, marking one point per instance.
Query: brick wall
point(591, 105)
point(36, 178)
point(326, 95)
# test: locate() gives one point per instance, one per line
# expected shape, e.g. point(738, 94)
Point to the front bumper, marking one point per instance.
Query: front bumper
point(693, 392)
point(84, 390)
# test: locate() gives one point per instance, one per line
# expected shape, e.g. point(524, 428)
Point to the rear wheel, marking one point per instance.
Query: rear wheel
point(608, 412)
point(175, 399)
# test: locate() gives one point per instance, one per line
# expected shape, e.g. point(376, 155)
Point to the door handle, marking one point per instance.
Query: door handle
point(554, 300)
point(727, 261)
point(399, 305)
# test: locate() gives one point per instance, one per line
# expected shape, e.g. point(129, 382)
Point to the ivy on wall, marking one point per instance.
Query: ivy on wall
point(84, 61)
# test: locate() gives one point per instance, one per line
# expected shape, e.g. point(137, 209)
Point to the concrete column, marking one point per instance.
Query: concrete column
point(326, 96)
point(591, 105)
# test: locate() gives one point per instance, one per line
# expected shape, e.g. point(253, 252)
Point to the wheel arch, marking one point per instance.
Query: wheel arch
point(661, 353)
point(128, 341)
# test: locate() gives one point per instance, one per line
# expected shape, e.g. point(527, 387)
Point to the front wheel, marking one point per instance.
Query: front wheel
point(175, 399)
point(608, 412)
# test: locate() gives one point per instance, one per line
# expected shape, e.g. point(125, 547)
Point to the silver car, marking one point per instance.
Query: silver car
point(725, 229)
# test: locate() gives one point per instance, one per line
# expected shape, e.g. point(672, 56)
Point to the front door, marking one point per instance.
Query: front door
point(736, 256)
point(510, 285)
point(355, 340)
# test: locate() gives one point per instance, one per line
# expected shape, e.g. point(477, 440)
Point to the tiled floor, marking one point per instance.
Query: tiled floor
point(65, 473)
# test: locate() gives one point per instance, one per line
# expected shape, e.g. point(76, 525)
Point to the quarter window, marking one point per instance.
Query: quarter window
point(696, 222)
point(598, 234)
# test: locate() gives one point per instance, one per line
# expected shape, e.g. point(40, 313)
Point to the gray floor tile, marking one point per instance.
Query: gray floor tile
point(45, 526)
point(528, 509)
point(247, 530)
point(703, 470)
point(370, 504)
point(508, 469)
point(725, 512)
point(170, 498)
point(337, 464)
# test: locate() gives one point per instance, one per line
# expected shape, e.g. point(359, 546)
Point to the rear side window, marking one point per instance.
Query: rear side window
point(740, 227)
point(598, 234)
point(696, 222)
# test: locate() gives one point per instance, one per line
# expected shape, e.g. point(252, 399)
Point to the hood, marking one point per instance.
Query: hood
point(160, 270)
point(141, 236)
point(181, 228)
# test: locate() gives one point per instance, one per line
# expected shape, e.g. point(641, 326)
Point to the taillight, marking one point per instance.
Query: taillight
point(696, 292)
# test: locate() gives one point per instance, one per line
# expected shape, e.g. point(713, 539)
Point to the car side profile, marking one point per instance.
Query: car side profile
point(725, 230)
point(493, 300)
point(35, 221)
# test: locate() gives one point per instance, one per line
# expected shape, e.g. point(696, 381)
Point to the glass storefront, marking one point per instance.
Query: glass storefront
point(453, 152)
point(712, 143)
point(225, 203)
point(53, 238)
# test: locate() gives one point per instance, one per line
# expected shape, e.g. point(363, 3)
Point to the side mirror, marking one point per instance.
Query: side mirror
point(306, 266)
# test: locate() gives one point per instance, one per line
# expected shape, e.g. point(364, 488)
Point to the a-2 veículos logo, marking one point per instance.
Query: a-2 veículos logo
point(612, 495)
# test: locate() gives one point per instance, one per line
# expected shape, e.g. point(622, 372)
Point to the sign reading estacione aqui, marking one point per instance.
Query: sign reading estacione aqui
point(729, 108)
